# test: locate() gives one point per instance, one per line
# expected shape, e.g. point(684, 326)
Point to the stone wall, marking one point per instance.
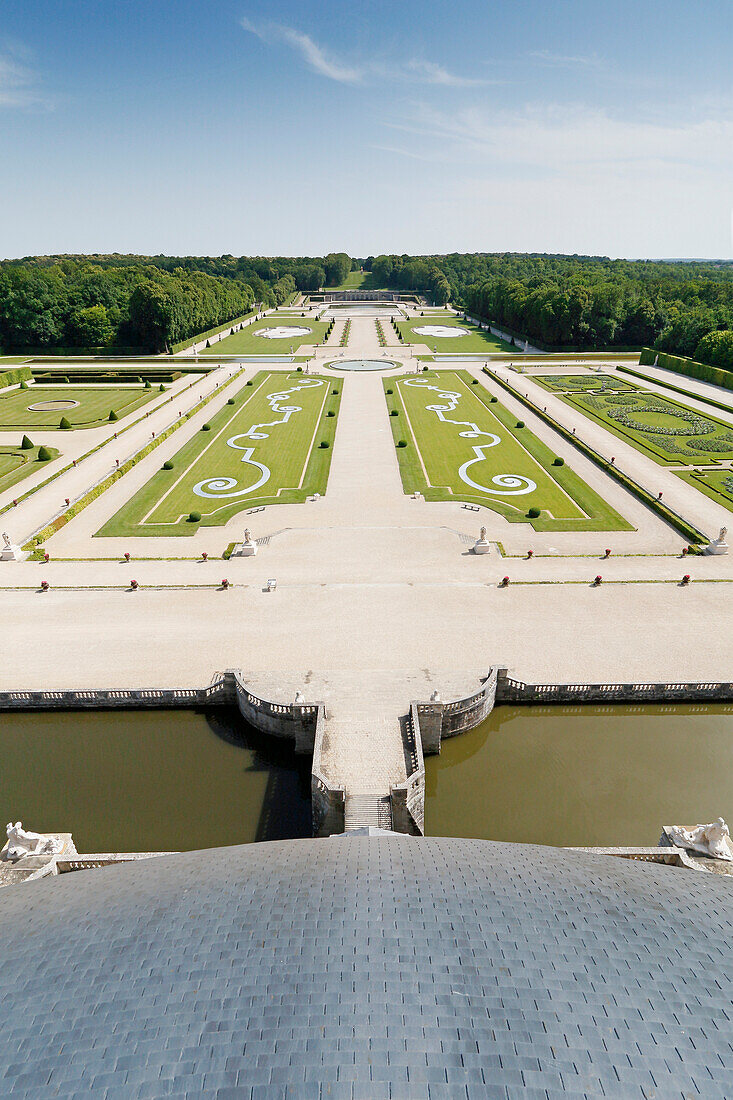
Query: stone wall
point(439, 720)
point(327, 802)
point(515, 691)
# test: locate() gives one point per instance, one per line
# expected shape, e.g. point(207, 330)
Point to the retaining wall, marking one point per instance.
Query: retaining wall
point(327, 802)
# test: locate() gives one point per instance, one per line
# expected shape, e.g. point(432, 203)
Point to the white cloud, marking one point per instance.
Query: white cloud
point(17, 83)
point(326, 64)
point(556, 138)
point(428, 72)
point(313, 54)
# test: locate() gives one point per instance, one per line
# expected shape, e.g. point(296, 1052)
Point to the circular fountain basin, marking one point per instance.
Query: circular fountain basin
point(442, 332)
point(363, 364)
point(283, 332)
point(53, 406)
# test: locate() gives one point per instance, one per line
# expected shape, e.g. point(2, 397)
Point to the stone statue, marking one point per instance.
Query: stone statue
point(481, 545)
point(299, 698)
point(6, 539)
point(712, 840)
point(247, 535)
point(435, 697)
point(719, 545)
point(23, 843)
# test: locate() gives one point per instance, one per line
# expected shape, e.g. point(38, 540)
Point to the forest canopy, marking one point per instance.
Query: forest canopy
point(557, 302)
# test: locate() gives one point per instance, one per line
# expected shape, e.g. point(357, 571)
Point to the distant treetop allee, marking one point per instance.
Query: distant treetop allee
point(150, 303)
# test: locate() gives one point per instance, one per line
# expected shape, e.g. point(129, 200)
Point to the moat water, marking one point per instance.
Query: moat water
point(179, 780)
point(131, 781)
point(583, 775)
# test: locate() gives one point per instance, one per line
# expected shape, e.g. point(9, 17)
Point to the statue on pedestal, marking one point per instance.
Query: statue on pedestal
point(719, 545)
point(711, 840)
point(481, 546)
point(9, 550)
point(22, 843)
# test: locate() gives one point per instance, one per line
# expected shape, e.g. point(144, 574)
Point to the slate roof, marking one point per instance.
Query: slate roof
point(371, 968)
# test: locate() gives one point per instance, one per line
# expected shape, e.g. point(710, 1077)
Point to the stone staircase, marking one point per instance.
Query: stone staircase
point(361, 811)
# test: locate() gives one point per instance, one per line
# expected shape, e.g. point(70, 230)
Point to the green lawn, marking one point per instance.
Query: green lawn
point(716, 484)
point(668, 432)
point(475, 339)
point(16, 464)
point(582, 383)
point(357, 280)
point(463, 446)
point(92, 409)
point(247, 342)
point(264, 448)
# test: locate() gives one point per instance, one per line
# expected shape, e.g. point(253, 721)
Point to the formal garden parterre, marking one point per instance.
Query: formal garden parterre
point(270, 443)
point(258, 338)
point(456, 442)
point(572, 383)
point(448, 333)
point(663, 429)
point(46, 406)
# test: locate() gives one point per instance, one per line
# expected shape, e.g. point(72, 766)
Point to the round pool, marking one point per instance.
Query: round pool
point(59, 405)
point(362, 364)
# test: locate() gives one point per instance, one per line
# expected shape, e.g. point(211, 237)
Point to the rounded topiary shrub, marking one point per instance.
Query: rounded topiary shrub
point(520, 423)
point(64, 423)
point(402, 443)
point(26, 444)
point(112, 415)
point(299, 369)
point(330, 414)
point(194, 517)
point(334, 392)
point(533, 513)
point(494, 399)
point(324, 444)
point(230, 401)
point(43, 454)
point(168, 465)
point(394, 412)
point(558, 461)
point(389, 391)
point(249, 383)
point(474, 382)
point(206, 428)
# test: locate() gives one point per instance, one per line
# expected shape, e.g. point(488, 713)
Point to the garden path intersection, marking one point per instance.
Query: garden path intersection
point(379, 596)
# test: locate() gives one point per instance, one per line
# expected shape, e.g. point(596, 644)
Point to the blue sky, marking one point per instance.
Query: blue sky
point(190, 127)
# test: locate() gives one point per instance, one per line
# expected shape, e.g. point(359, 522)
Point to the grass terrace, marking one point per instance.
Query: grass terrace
point(455, 443)
point(468, 339)
point(716, 484)
point(248, 342)
point(43, 406)
point(17, 463)
point(269, 444)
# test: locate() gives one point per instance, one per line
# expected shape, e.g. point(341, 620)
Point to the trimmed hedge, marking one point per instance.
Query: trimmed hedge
point(12, 377)
point(689, 367)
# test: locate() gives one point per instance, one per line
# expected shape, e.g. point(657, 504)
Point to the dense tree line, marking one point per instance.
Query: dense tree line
point(555, 301)
point(146, 302)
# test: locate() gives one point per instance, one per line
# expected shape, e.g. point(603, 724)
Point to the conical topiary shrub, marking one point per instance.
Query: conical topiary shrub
point(43, 454)
point(26, 443)
point(64, 423)
point(113, 415)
